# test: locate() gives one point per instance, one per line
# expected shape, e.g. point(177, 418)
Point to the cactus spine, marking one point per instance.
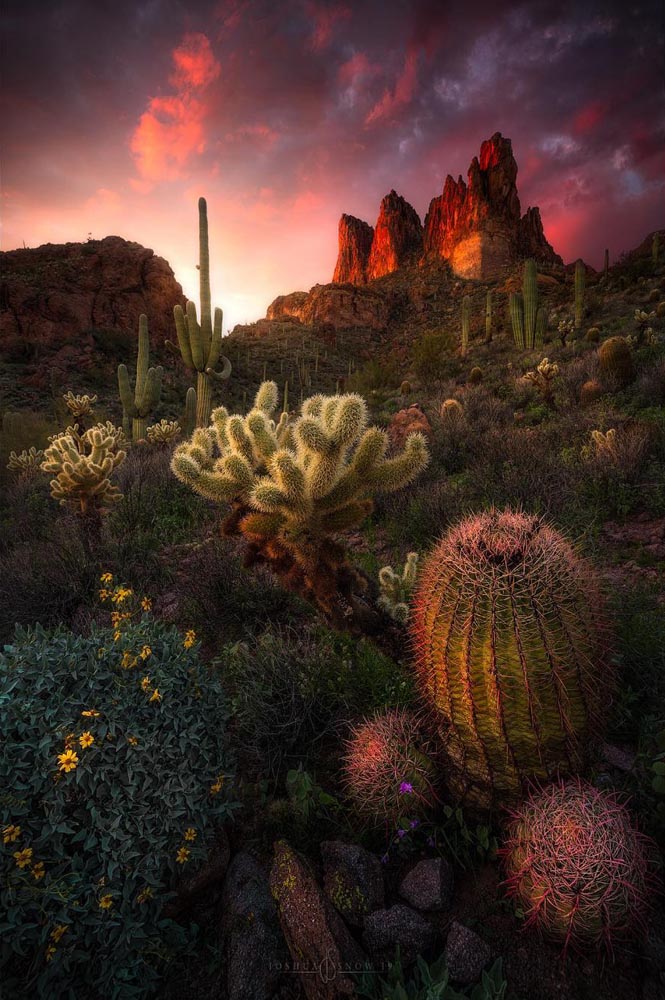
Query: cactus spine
point(527, 317)
point(466, 322)
point(511, 654)
point(148, 389)
point(580, 281)
point(488, 317)
point(200, 344)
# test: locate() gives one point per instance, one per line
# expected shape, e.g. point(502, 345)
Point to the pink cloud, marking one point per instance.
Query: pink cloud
point(195, 65)
point(261, 133)
point(171, 130)
point(405, 88)
point(588, 117)
point(324, 20)
point(353, 69)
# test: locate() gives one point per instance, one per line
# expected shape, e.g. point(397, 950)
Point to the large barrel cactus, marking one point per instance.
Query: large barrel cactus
point(511, 650)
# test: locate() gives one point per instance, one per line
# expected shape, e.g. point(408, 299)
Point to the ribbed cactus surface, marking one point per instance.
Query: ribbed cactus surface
point(511, 653)
point(615, 359)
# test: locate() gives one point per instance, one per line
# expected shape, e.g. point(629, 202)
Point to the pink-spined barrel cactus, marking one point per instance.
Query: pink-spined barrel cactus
point(512, 655)
point(576, 865)
point(388, 771)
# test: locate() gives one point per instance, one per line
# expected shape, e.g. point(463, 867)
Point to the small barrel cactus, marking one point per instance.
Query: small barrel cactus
point(476, 375)
point(593, 335)
point(511, 652)
point(577, 866)
point(451, 410)
point(590, 391)
point(388, 772)
point(405, 388)
point(616, 360)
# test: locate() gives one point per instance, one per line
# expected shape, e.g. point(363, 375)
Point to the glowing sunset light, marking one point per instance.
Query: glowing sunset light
point(286, 116)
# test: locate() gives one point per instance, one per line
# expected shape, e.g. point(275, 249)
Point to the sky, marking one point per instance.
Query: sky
point(118, 114)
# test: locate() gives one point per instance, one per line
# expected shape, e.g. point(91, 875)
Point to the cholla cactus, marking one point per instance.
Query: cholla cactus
point(26, 463)
point(604, 444)
point(565, 329)
point(511, 653)
point(388, 771)
point(542, 378)
point(577, 866)
point(163, 433)
point(80, 407)
point(294, 486)
point(82, 464)
point(396, 588)
point(117, 433)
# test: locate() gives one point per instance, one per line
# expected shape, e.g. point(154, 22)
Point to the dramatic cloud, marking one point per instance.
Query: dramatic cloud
point(286, 115)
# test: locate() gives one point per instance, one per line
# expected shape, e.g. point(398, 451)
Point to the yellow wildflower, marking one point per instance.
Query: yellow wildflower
point(50, 952)
point(38, 871)
point(217, 786)
point(104, 594)
point(145, 683)
point(90, 713)
point(117, 636)
point(132, 740)
point(106, 578)
point(145, 652)
point(68, 760)
point(128, 661)
point(10, 833)
point(24, 857)
point(183, 855)
point(106, 902)
point(155, 696)
point(57, 933)
point(144, 895)
point(86, 739)
point(70, 738)
point(146, 604)
point(190, 833)
point(190, 639)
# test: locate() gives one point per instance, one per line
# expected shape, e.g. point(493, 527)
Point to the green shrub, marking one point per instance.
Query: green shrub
point(110, 779)
point(429, 982)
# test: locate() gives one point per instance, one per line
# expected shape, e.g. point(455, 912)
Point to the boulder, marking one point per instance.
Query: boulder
point(428, 886)
point(353, 880)
point(466, 954)
point(398, 925)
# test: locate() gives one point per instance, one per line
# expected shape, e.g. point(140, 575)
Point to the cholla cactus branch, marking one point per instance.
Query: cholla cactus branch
point(294, 485)
point(79, 406)
point(543, 378)
point(396, 588)
point(25, 463)
point(163, 433)
point(82, 464)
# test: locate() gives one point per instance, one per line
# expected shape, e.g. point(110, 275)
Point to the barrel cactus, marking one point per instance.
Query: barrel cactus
point(512, 654)
point(616, 360)
point(388, 770)
point(580, 871)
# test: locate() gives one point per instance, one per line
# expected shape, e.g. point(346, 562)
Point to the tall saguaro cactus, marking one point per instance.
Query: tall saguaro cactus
point(200, 343)
point(466, 323)
point(580, 281)
point(527, 316)
point(139, 405)
point(488, 317)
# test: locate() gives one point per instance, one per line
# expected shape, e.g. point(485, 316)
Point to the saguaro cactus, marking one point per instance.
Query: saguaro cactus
point(138, 406)
point(488, 317)
point(466, 323)
point(511, 654)
point(200, 344)
point(528, 318)
point(580, 281)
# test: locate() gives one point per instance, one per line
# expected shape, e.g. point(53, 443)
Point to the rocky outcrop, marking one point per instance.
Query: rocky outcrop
point(398, 237)
point(355, 244)
point(475, 224)
point(55, 294)
point(478, 226)
point(342, 306)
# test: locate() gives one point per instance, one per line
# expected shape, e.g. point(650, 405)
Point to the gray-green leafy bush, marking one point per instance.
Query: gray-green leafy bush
point(429, 982)
point(114, 779)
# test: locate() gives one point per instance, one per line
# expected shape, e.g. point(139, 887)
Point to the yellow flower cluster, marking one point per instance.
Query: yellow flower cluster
point(106, 902)
point(120, 595)
point(182, 855)
point(132, 740)
point(146, 604)
point(190, 833)
point(128, 661)
point(90, 713)
point(146, 686)
point(23, 857)
point(68, 761)
point(190, 639)
point(144, 895)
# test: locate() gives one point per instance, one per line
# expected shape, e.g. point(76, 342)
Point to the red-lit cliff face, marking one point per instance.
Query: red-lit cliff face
point(398, 236)
point(355, 243)
point(475, 225)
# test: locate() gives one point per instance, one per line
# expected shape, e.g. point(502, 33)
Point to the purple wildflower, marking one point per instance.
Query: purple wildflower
point(406, 788)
